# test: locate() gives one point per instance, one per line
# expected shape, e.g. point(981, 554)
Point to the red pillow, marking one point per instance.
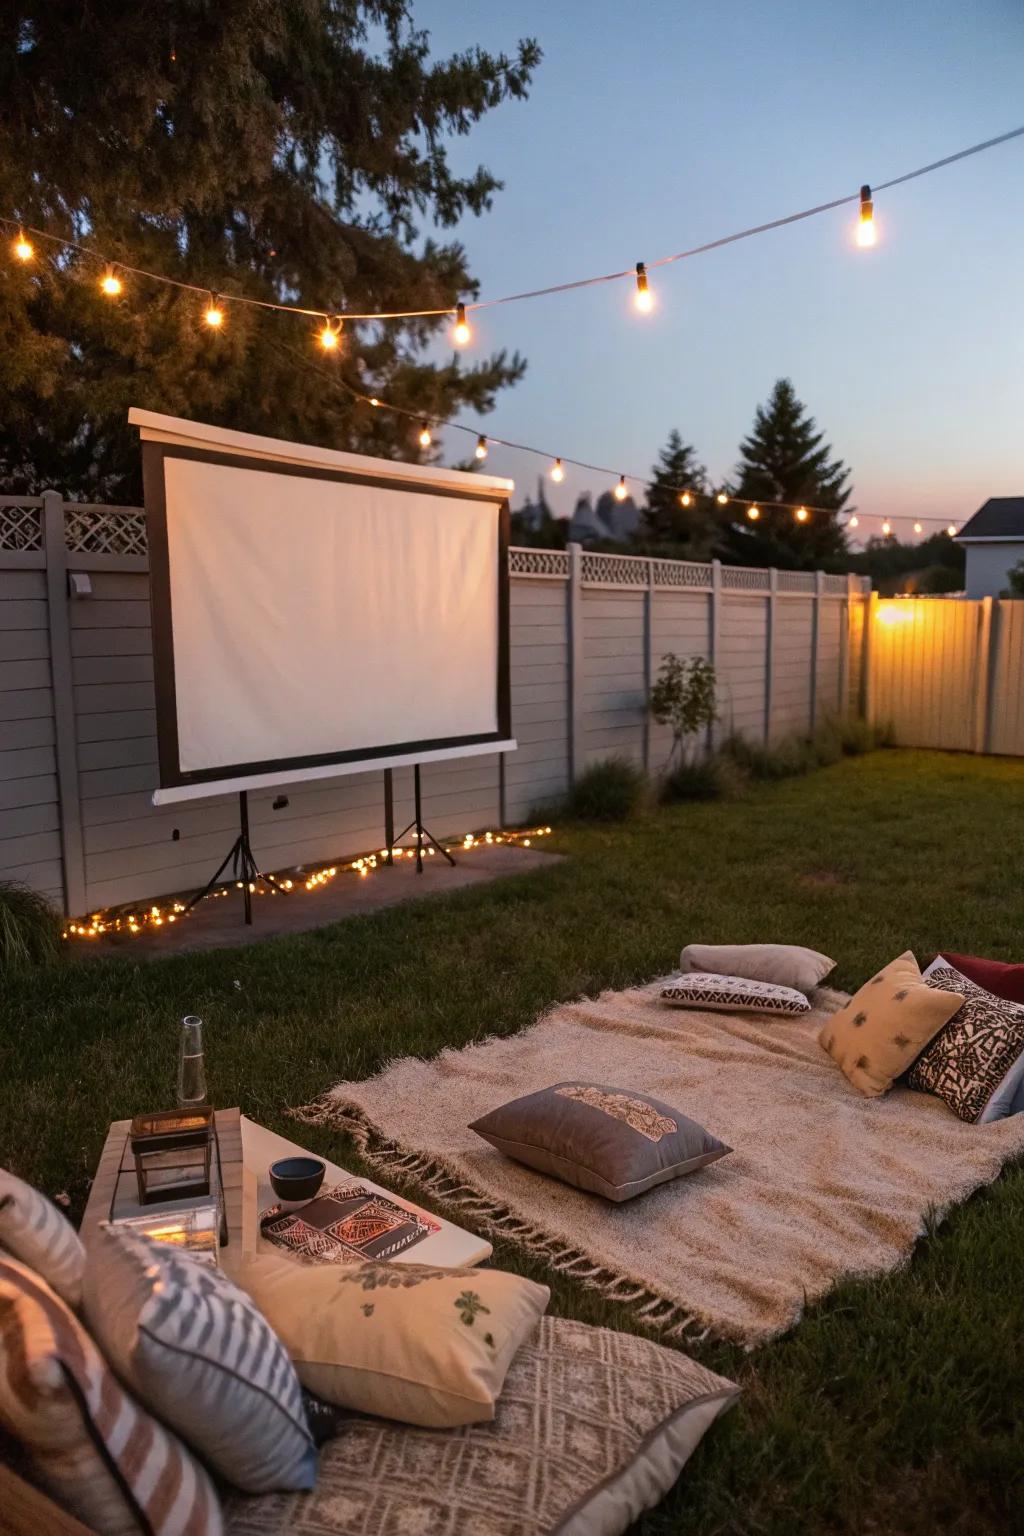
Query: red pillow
point(996, 976)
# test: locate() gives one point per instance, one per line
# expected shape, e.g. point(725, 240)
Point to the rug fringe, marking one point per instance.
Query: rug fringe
point(657, 1313)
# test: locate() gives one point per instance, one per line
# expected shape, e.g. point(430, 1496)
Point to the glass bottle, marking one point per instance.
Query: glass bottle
point(191, 1067)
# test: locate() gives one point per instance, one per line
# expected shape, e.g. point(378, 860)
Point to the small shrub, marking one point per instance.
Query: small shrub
point(859, 736)
point(612, 790)
point(827, 743)
point(708, 778)
point(684, 698)
point(29, 929)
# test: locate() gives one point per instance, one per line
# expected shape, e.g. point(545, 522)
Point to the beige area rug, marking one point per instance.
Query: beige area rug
point(822, 1184)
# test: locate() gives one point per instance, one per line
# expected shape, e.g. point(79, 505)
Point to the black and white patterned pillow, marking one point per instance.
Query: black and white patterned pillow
point(970, 1060)
point(733, 994)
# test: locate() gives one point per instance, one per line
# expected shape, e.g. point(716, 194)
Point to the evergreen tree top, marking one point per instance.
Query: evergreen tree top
point(287, 151)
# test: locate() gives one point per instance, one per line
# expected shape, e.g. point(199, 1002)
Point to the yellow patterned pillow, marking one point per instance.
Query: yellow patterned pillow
point(886, 1025)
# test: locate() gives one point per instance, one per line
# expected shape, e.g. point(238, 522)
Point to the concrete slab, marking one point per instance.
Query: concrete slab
point(218, 922)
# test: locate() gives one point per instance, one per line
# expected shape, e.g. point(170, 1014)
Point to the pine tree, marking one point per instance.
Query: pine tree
point(287, 151)
point(786, 459)
point(694, 528)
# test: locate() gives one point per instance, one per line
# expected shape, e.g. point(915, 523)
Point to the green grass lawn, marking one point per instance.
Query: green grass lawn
point(897, 1405)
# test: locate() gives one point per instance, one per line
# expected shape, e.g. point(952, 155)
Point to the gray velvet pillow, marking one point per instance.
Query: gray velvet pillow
point(610, 1141)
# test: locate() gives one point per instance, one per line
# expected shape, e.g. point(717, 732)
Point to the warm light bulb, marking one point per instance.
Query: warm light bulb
point(481, 447)
point(866, 232)
point(110, 283)
point(620, 493)
point(753, 513)
point(374, 400)
point(213, 314)
point(951, 530)
point(685, 499)
point(644, 298)
point(918, 528)
point(557, 472)
point(462, 333)
point(887, 527)
point(802, 514)
point(23, 248)
point(722, 499)
point(425, 439)
point(854, 522)
point(329, 335)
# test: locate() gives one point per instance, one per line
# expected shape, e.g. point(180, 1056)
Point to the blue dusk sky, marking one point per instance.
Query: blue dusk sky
point(651, 128)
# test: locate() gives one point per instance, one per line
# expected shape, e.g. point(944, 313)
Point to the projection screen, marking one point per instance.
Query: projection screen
point(318, 613)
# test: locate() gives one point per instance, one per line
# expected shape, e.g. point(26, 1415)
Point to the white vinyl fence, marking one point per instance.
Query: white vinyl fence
point(77, 722)
point(948, 673)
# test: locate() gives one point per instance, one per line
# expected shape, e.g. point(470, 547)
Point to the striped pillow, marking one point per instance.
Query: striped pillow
point(34, 1231)
point(89, 1444)
point(197, 1351)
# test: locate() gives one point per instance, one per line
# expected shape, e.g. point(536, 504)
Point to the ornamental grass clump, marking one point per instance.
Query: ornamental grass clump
point(612, 790)
point(29, 929)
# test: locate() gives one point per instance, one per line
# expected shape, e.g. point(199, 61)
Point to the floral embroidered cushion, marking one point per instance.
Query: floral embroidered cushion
point(593, 1427)
point(197, 1352)
point(785, 965)
point(976, 1061)
point(733, 994)
point(611, 1141)
point(402, 1341)
point(34, 1231)
point(885, 1025)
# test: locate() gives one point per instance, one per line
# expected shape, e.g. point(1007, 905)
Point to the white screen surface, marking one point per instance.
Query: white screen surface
point(316, 616)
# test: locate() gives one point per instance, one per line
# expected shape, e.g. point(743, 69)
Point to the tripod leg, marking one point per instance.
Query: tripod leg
point(389, 815)
point(247, 862)
point(419, 819)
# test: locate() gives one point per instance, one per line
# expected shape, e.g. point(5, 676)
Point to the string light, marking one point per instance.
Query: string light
point(887, 528)
point(754, 513)
point(685, 499)
point(213, 315)
point(462, 334)
point(480, 451)
point(918, 528)
point(644, 299)
point(854, 521)
point(557, 472)
point(425, 439)
point(621, 492)
point(951, 530)
point(23, 247)
point(134, 922)
point(329, 334)
point(111, 284)
point(866, 233)
point(722, 499)
point(801, 514)
point(374, 401)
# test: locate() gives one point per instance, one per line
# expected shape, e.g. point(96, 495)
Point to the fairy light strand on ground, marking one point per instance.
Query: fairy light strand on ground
point(132, 921)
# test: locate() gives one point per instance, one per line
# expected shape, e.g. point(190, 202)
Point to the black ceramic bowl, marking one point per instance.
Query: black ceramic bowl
point(296, 1178)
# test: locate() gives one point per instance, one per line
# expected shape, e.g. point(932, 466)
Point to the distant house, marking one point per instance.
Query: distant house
point(994, 541)
point(609, 519)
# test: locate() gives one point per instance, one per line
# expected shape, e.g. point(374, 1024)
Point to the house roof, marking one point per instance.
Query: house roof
point(1002, 517)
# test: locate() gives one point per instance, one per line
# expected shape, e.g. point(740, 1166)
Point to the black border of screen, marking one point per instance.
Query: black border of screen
point(154, 455)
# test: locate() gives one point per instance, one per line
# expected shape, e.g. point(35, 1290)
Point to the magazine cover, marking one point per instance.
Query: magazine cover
point(345, 1223)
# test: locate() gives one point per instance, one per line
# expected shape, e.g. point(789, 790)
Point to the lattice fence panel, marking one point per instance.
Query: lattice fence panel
point(742, 578)
point(21, 524)
point(796, 581)
point(682, 573)
point(615, 570)
point(552, 564)
point(105, 530)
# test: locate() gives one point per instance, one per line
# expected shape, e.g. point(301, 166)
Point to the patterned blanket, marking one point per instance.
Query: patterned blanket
point(823, 1184)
